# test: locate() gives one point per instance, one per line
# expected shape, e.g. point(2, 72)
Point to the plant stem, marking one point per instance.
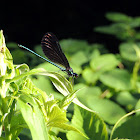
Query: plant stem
point(115, 126)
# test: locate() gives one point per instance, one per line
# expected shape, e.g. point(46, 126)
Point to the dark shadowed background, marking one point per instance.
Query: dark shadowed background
point(25, 22)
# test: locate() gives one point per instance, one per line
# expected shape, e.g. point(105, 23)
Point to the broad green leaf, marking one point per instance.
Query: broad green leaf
point(129, 129)
point(135, 22)
point(107, 109)
point(118, 17)
point(121, 30)
point(79, 58)
point(91, 76)
point(76, 68)
point(89, 123)
point(104, 62)
point(33, 117)
point(99, 65)
point(68, 127)
point(72, 45)
point(118, 79)
point(43, 83)
point(128, 52)
point(17, 124)
point(56, 116)
point(95, 53)
point(125, 98)
point(87, 91)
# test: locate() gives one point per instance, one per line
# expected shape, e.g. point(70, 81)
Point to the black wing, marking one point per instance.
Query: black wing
point(52, 50)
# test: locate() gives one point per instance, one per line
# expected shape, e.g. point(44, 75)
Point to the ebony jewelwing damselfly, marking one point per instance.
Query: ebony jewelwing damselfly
point(52, 50)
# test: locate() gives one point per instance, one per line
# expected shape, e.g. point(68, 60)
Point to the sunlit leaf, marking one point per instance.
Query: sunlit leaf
point(91, 76)
point(104, 62)
point(79, 58)
point(125, 98)
point(128, 52)
point(89, 123)
point(33, 117)
point(117, 79)
point(108, 110)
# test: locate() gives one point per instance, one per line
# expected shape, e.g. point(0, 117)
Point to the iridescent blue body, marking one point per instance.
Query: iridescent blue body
point(53, 52)
point(21, 46)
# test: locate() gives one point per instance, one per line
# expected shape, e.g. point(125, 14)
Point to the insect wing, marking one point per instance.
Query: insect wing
point(52, 50)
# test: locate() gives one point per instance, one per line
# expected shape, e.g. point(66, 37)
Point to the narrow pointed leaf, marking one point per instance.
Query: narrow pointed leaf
point(33, 117)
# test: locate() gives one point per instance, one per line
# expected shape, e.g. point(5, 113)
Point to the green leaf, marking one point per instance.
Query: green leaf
point(118, 17)
point(41, 82)
point(128, 52)
point(63, 86)
point(70, 128)
point(107, 109)
point(135, 22)
point(31, 72)
point(91, 76)
point(118, 79)
point(89, 123)
point(56, 116)
point(17, 124)
point(22, 68)
point(130, 129)
point(121, 30)
point(33, 117)
point(60, 82)
point(79, 58)
point(112, 30)
point(73, 45)
point(125, 98)
point(104, 62)
point(95, 53)
point(87, 91)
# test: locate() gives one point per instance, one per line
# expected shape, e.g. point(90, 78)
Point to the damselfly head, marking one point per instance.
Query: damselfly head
point(71, 73)
point(75, 75)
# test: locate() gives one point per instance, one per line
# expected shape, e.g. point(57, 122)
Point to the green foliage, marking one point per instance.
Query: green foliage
point(24, 106)
point(105, 95)
point(90, 123)
point(123, 27)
